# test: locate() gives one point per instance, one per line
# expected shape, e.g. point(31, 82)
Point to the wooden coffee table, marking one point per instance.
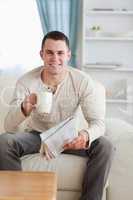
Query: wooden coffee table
point(18, 185)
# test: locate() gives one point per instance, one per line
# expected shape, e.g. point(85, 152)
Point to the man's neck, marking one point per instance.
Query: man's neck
point(53, 79)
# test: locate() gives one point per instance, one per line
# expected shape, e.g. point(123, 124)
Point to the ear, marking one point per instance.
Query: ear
point(41, 54)
point(69, 54)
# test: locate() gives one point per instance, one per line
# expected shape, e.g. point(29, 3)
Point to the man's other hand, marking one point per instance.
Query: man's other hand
point(80, 142)
point(45, 152)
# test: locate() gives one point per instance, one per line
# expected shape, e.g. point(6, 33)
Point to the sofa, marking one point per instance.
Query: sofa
point(70, 168)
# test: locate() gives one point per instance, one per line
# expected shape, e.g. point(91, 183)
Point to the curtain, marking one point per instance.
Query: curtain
point(62, 15)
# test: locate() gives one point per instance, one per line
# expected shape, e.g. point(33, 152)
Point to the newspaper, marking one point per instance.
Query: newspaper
point(56, 137)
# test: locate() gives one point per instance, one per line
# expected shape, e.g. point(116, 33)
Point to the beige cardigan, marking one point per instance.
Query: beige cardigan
point(76, 90)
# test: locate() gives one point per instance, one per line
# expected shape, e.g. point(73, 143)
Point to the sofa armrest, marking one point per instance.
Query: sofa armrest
point(121, 175)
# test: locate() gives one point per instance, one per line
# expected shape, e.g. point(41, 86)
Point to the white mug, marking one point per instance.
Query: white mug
point(44, 101)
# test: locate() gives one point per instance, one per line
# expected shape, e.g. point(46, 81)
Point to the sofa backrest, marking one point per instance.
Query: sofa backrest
point(7, 84)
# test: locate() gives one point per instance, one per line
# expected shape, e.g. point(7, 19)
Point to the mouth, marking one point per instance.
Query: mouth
point(54, 65)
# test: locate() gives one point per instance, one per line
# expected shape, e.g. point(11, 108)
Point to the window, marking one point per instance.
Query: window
point(20, 35)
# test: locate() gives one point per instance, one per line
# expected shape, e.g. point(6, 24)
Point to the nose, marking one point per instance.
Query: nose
point(55, 56)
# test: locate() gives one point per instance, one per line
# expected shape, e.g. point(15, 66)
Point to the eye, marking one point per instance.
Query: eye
point(60, 53)
point(49, 52)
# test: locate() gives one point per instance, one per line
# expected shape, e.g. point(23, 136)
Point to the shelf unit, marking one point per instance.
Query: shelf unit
point(99, 48)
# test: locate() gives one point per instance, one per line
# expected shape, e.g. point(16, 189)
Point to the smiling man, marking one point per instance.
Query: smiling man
point(71, 88)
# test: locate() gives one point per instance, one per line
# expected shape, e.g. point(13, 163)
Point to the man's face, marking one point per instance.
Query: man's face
point(55, 55)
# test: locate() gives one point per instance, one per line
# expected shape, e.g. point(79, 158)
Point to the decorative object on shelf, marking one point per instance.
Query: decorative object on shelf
point(94, 30)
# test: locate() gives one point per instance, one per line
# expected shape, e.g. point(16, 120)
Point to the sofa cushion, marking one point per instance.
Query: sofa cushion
point(69, 169)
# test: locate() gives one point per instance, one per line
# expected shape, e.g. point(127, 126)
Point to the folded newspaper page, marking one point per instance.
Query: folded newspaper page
point(55, 137)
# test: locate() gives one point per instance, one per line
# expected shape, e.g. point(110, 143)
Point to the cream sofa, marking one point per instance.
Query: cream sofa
point(70, 168)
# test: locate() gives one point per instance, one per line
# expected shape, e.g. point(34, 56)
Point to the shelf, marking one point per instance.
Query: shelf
point(124, 69)
point(109, 38)
point(113, 12)
point(117, 69)
point(119, 101)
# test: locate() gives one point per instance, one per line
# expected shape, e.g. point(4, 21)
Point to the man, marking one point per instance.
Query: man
point(71, 88)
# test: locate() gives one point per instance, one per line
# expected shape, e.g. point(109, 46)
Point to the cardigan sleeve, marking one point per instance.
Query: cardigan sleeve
point(15, 115)
point(92, 103)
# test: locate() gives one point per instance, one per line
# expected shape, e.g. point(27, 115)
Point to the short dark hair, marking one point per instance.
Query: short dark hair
point(55, 35)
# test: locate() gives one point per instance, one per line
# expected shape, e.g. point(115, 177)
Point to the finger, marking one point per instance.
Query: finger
point(77, 145)
point(74, 141)
point(77, 140)
point(66, 142)
point(34, 107)
point(27, 99)
point(80, 139)
point(70, 146)
point(33, 98)
point(67, 146)
point(42, 151)
point(28, 107)
point(49, 154)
